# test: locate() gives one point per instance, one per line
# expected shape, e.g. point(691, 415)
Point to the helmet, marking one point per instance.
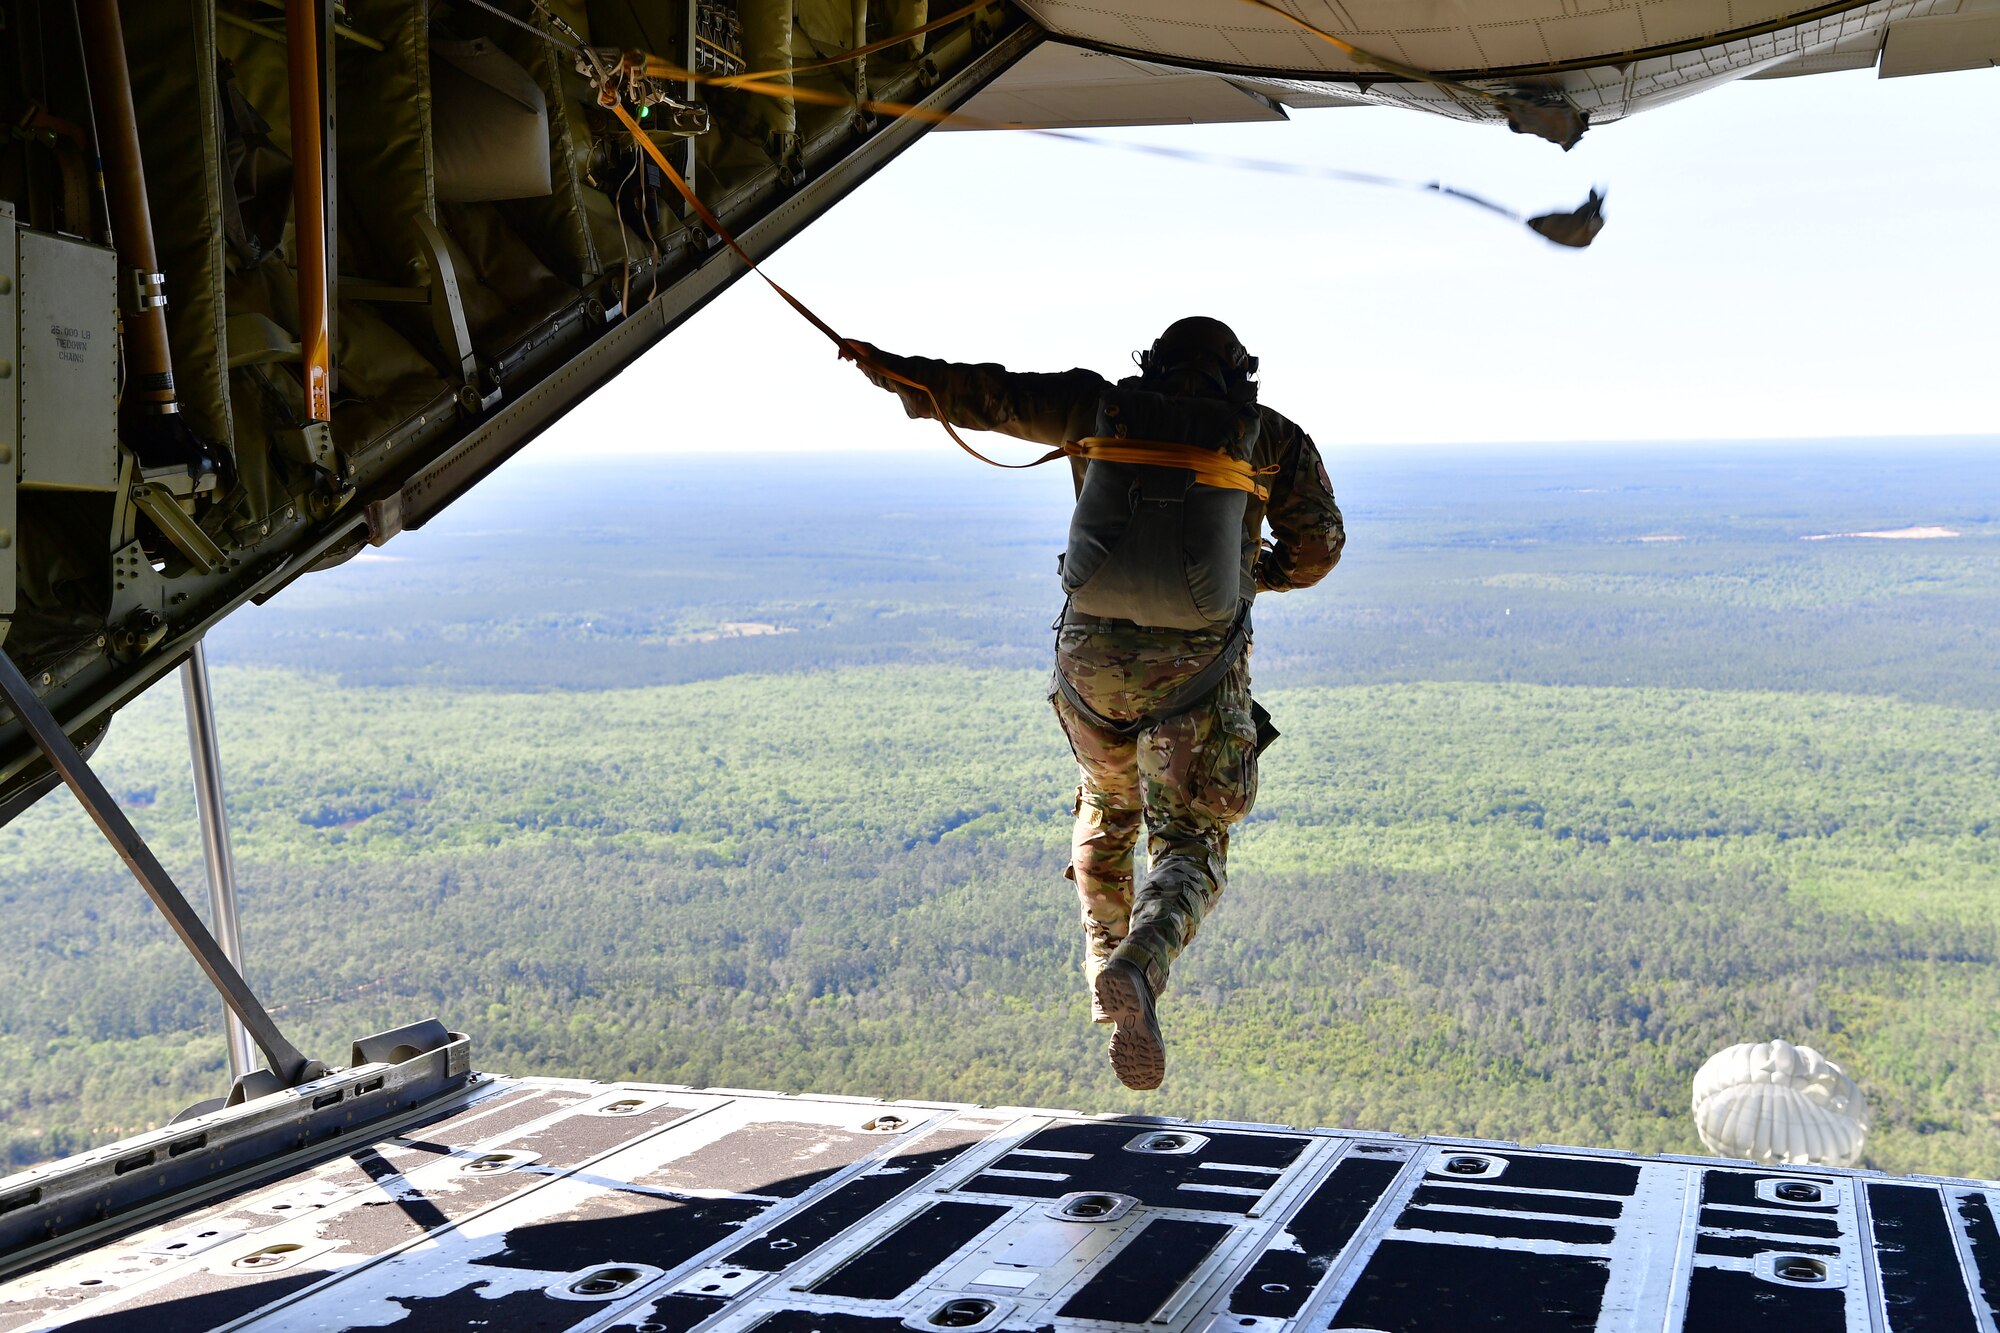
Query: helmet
point(1200, 343)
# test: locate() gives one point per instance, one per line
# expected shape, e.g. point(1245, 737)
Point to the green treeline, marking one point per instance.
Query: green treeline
point(1508, 911)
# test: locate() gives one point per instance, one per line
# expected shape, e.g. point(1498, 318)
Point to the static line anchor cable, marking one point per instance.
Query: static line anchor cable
point(1581, 229)
point(1575, 228)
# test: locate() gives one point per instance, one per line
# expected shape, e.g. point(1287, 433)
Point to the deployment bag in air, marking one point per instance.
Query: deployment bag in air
point(1163, 544)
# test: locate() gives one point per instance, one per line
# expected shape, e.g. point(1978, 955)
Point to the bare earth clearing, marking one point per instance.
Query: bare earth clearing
point(1888, 534)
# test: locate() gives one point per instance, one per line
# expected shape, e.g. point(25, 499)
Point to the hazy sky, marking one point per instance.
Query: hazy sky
point(1792, 258)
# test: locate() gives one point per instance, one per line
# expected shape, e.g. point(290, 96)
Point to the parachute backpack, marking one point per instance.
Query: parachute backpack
point(1158, 535)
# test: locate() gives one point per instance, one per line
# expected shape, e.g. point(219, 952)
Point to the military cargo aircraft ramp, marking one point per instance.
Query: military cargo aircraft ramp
point(554, 1204)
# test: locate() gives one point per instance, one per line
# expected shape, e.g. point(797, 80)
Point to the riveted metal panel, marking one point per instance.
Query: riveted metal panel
point(67, 327)
point(644, 1209)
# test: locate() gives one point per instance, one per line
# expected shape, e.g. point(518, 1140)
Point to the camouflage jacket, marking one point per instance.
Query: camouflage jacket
point(1053, 409)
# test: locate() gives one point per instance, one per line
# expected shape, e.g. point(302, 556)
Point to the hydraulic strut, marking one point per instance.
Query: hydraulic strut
point(207, 763)
point(302, 48)
point(151, 362)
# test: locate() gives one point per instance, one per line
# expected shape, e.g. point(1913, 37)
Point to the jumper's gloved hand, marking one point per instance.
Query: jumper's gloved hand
point(877, 365)
point(870, 360)
point(1273, 569)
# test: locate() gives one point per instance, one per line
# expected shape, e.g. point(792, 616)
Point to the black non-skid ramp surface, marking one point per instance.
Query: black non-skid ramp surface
point(561, 1205)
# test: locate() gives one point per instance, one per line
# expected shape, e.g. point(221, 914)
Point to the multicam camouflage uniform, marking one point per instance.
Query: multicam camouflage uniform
point(1190, 776)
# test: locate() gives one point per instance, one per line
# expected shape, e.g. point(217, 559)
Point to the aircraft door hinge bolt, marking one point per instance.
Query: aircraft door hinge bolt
point(330, 497)
point(139, 635)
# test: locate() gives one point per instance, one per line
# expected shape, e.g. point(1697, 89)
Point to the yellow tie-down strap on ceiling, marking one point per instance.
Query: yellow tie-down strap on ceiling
point(1209, 467)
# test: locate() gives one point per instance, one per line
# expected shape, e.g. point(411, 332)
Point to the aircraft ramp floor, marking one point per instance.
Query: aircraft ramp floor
point(546, 1204)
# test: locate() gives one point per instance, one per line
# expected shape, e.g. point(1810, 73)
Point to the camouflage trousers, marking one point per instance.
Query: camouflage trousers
point(1187, 778)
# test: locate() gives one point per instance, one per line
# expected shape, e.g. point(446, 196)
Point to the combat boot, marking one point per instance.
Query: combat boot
point(1138, 1050)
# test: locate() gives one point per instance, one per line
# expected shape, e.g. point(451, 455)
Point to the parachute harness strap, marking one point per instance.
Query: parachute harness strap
point(1194, 691)
point(1209, 467)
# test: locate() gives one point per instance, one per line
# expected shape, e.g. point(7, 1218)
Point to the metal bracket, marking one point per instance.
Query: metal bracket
point(174, 524)
point(284, 1058)
point(385, 518)
point(143, 291)
point(398, 1045)
point(311, 444)
point(198, 700)
point(135, 585)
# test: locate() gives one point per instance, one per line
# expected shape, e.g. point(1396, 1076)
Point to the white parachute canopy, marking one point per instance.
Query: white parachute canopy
point(1771, 1101)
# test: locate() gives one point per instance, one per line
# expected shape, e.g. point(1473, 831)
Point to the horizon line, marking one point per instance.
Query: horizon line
point(1944, 441)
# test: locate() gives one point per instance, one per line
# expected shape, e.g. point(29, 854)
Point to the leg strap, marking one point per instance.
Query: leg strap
point(1190, 695)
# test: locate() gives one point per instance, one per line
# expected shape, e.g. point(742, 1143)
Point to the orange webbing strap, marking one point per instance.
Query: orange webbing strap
point(1209, 467)
point(761, 85)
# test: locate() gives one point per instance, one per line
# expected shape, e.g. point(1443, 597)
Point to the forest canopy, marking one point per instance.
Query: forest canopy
point(632, 776)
